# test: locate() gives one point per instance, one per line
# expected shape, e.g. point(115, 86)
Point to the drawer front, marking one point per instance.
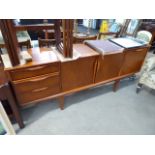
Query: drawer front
point(37, 88)
point(35, 83)
point(22, 73)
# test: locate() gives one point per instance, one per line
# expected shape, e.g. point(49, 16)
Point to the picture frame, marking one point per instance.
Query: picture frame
point(6, 127)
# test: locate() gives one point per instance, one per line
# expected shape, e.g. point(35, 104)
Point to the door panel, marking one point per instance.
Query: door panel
point(108, 66)
point(133, 60)
point(78, 73)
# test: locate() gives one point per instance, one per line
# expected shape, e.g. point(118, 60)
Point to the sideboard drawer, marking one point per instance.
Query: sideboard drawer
point(37, 88)
point(22, 73)
point(33, 96)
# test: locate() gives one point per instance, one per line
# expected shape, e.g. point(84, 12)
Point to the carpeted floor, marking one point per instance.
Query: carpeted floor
point(95, 111)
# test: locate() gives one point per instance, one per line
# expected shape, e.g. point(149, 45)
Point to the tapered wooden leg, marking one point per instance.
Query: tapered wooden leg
point(116, 85)
point(61, 102)
point(139, 87)
point(13, 106)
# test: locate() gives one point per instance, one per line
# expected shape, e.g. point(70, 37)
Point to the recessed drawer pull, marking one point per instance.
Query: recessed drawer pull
point(98, 67)
point(40, 89)
point(140, 50)
point(35, 68)
point(39, 79)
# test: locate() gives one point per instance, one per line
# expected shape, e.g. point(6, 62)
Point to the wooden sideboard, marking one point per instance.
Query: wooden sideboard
point(51, 76)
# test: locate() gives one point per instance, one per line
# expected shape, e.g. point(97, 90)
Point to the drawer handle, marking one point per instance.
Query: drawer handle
point(140, 50)
point(98, 66)
point(40, 89)
point(39, 79)
point(95, 66)
point(35, 68)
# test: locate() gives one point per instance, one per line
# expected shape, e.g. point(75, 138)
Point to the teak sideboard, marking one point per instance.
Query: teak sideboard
point(49, 75)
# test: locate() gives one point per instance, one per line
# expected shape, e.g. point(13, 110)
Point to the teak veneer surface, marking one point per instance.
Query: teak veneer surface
point(48, 77)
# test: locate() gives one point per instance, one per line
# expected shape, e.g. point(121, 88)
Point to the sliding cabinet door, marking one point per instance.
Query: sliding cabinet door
point(78, 73)
point(108, 67)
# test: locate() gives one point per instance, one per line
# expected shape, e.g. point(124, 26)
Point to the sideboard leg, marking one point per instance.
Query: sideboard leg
point(61, 102)
point(116, 85)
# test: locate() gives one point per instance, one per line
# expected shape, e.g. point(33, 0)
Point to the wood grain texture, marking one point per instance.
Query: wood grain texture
point(133, 60)
point(77, 73)
point(40, 56)
point(36, 88)
point(34, 27)
point(109, 66)
point(47, 77)
point(30, 72)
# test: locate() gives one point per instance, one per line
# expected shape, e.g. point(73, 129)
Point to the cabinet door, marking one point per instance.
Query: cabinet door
point(78, 73)
point(108, 67)
point(133, 60)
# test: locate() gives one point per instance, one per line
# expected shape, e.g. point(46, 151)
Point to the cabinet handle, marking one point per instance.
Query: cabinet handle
point(95, 66)
point(35, 68)
point(40, 89)
point(139, 49)
point(98, 66)
point(39, 79)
